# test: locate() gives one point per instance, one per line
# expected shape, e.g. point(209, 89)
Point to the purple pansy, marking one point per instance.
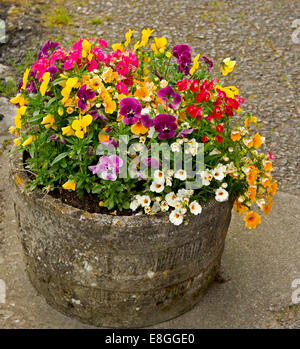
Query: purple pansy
point(131, 109)
point(165, 125)
point(96, 115)
point(84, 95)
point(56, 138)
point(46, 47)
point(168, 94)
point(151, 162)
point(108, 167)
point(209, 62)
point(52, 70)
point(184, 133)
point(184, 58)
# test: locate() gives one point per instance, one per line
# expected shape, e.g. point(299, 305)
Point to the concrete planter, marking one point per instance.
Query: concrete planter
point(115, 271)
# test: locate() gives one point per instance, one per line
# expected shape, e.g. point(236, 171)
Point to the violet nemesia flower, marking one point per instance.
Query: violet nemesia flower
point(184, 133)
point(96, 115)
point(209, 62)
point(84, 95)
point(168, 94)
point(108, 167)
point(165, 125)
point(46, 47)
point(131, 109)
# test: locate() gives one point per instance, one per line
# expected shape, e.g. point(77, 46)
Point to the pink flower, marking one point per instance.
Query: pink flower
point(97, 52)
point(122, 68)
point(40, 66)
point(92, 65)
point(122, 88)
point(102, 43)
point(271, 156)
point(58, 54)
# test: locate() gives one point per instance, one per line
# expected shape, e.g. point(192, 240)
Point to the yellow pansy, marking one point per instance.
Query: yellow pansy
point(230, 91)
point(17, 141)
point(65, 92)
point(110, 106)
point(128, 36)
point(81, 124)
point(109, 75)
point(250, 119)
point(195, 64)
point(25, 78)
point(159, 45)
point(17, 118)
point(227, 66)
point(145, 36)
point(136, 46)
point(49, 121)
point(67, 131)
point(19, 99)
point(86, 49)
point(168, 54)
point(44, 84)
point(139, 128)
point(70, 185)
point(117, 47)
point(28, 141)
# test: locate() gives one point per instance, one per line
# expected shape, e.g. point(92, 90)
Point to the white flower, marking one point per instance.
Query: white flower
point(164, 206)
point(157, 187)
point(134, 205)
point(146, 110)
point(170, 173)
point(224, 185)
point(175, 147)
point(144, 200)
point(163, 83)
point(171, 198)
point(221, 195)
point(169, 181)
point(159, 177)
point(147, 210)
point(215, 152)
point(181, 174)
point(218, 173)
point(195, 208)
point(206, 177)
point(177, 204)
point(175, 217)
point(156, 207)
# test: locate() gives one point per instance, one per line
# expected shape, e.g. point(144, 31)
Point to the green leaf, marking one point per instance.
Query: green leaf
point(59, 157)
point(161, 109)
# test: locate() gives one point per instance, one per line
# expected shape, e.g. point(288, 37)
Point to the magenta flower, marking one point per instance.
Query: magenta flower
point(102, 43)
point(108, 167)
point(131, 109)
point(96, 115)
point(184, 133)
point(84, 95)
point(209, 63)
point(122, 88)
point(165, 125)
point(46, 47)
point(184, 58)
point(122, 68)
point(168, 94)
point(92, 65)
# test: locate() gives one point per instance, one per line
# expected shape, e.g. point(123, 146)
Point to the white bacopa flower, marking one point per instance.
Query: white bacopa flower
point(175, 217)
point(157, 187)
point(159, 177)
point(175, 147)
point(183, 211)
point(134, 205)
point(171, 198)
point(195, 208)
point(144, 201)
point(221, 195)
point(164, 206)
point(206, 177)
point(181, 174)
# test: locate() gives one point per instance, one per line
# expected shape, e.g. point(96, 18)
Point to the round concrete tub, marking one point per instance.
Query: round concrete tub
point(116, 271)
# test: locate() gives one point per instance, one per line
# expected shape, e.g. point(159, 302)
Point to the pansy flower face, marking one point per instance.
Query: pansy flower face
point(84, 95)
point(131, 109)
point(165, 125)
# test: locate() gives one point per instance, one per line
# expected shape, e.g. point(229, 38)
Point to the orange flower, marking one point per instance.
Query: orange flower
point(252, 175)
point(235, 135)
point(268, 166)
point(266, 182)
point(250, 119)
point(141, 92)
point(110, 106)
point(257, 141)
point(138, 128)
point(252, 193)
point(102, 137)
point(252, 220)
point(273, 188)
point(239, 208)
point(267, 208)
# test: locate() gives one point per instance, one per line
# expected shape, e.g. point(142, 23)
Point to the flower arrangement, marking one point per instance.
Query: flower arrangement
point(89, 118)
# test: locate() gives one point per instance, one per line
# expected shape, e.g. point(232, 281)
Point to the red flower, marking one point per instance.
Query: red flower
point(129, 80)
point(233, 103)
point(219, 128)
point(221, 94)
point(218, 139)
point(207, 86)
point(228, 110)
point(182, 85)
point(195, 112)
point(202, 96)
point(217, 113)
point(218, 102)
point(204, 139)
point(194, 87)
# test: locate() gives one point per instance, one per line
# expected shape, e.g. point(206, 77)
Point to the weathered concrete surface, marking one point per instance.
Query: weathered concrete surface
point(259, 265)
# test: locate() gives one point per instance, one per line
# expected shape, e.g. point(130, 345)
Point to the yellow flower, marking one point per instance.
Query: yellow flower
point(109, 75)
point(12, 130)
point(239, 208)
point(17, 141)
point(159, 45)
point(252, 175)
point(145, 36)
point(267, 165)
point(168, 54)
point(49, 121)
point(136, 46)
point(230, 91)
point(17, 118)
point(252, 220)
point(25, 78)
point(86, 49)
point(252, 193)
point(60, 111)
point(251, 119)
point(273, 188)
point(81, 124)
point(70, 185)
point(65, 92)
point(44, 84)
point(267, 208)
point(102, 137)
point(128, 36)
point(110, 106)
point(227, 66)
point(195, 64)
point(19, 99)
point(67, 131)
point(95, 83)
point(28, 141)
point(117, 47)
